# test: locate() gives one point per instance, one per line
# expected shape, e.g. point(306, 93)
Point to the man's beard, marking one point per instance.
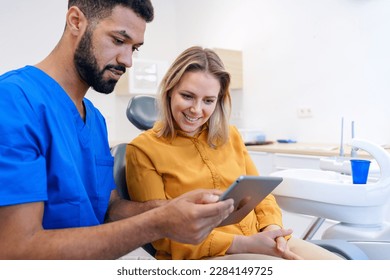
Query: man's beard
point(88, 69)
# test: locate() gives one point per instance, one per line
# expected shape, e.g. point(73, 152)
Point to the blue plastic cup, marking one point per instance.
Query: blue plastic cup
point(360, 169)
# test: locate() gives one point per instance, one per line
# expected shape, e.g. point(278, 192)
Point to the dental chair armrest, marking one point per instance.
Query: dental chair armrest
point(343, 248)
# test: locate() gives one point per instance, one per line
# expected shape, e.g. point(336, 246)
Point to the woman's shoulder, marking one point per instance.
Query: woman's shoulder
point(148, 138)
point(145, 137)
point(233, 130)
point(235, 136)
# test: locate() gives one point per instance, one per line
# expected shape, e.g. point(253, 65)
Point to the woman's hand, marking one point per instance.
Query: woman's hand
point(281, 244)
point(270, 242)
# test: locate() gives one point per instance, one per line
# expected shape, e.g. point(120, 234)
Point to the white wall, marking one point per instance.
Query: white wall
point(328, 55)
point(29, 30)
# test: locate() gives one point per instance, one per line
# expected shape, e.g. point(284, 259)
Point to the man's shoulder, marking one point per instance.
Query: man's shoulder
point(10, 78)
point(21, 79)
point(13, 85)
point(15, 74)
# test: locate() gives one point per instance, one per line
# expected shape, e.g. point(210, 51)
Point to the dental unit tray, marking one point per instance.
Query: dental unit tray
point(332, 195)
point(360, 212)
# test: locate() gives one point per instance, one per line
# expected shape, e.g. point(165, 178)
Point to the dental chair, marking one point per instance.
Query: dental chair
point(360, 211)
point(142, 113)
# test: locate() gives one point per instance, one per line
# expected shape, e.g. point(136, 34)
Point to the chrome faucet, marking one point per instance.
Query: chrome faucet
point(353, 149)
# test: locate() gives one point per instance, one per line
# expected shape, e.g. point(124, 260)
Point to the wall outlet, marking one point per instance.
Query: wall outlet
point(304, 112)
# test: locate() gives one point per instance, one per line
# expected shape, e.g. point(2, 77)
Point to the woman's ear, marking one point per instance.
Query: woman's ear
point(76, 21)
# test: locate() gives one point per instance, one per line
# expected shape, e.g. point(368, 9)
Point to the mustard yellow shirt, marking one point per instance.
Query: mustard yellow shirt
point(159, 168)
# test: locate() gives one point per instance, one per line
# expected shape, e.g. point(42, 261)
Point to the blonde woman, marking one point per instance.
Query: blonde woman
point(193, 146)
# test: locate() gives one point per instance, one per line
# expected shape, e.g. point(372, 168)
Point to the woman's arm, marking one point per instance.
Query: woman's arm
point(144, 183)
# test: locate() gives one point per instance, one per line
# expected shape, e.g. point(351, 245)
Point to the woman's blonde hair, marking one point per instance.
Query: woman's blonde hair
point(197, 59)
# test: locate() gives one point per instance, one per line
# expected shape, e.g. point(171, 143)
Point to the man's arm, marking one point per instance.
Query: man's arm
point(119, 208)
point(22, 235)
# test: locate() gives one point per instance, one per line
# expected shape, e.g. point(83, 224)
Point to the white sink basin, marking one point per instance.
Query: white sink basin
point(332, 195)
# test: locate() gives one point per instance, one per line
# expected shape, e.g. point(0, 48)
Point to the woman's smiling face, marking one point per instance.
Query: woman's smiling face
point(193, 101)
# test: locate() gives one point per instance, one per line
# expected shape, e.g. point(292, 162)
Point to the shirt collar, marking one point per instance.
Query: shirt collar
point(197, 135)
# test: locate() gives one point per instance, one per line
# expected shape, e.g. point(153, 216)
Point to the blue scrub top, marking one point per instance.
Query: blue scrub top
point(48, 153)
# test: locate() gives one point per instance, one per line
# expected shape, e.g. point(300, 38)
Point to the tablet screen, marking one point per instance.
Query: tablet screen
point(248, 192)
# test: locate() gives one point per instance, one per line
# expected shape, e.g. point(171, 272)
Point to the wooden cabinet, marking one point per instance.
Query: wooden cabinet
point(232, 59)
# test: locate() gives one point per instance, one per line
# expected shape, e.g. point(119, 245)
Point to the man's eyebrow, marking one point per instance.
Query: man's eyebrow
point(127, 36)
point(123, 33)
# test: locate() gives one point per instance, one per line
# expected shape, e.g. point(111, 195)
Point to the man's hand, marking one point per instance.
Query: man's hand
point(191, 216)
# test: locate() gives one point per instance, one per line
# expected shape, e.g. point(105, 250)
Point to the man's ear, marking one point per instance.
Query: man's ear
point(76, 21)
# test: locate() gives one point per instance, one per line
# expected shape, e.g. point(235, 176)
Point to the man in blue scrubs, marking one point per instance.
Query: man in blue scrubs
point(56, 170)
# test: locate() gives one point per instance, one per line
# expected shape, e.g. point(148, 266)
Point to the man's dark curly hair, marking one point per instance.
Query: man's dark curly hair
point(99, 9)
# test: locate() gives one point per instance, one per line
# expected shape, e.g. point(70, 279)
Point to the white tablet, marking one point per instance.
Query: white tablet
point(247, 192)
